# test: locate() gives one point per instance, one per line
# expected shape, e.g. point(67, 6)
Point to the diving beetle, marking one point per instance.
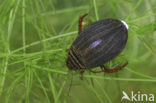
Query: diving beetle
point(97, 44)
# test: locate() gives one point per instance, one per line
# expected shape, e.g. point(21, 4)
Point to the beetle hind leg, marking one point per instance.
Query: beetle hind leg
point(81, 21)
point(115, 68)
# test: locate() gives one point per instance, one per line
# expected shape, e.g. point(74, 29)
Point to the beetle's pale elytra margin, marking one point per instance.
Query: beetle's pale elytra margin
point(126, 25)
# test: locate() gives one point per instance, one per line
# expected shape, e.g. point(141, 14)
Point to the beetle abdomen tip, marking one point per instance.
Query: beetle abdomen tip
point(126, 25)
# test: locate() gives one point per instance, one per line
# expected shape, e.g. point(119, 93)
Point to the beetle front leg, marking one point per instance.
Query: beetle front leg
point(113, 69)
point(80, 22)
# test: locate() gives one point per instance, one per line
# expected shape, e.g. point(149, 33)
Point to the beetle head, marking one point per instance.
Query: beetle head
point(70, 64)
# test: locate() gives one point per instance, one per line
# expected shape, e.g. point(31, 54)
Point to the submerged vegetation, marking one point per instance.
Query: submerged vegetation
point(34, 36)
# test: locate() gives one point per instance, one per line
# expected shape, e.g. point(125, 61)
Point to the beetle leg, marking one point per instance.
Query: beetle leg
point(80, 22)
point(114, 68)
point(81, 77)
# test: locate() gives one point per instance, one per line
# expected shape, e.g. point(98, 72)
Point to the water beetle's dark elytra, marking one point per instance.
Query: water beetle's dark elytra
point(97, 44)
